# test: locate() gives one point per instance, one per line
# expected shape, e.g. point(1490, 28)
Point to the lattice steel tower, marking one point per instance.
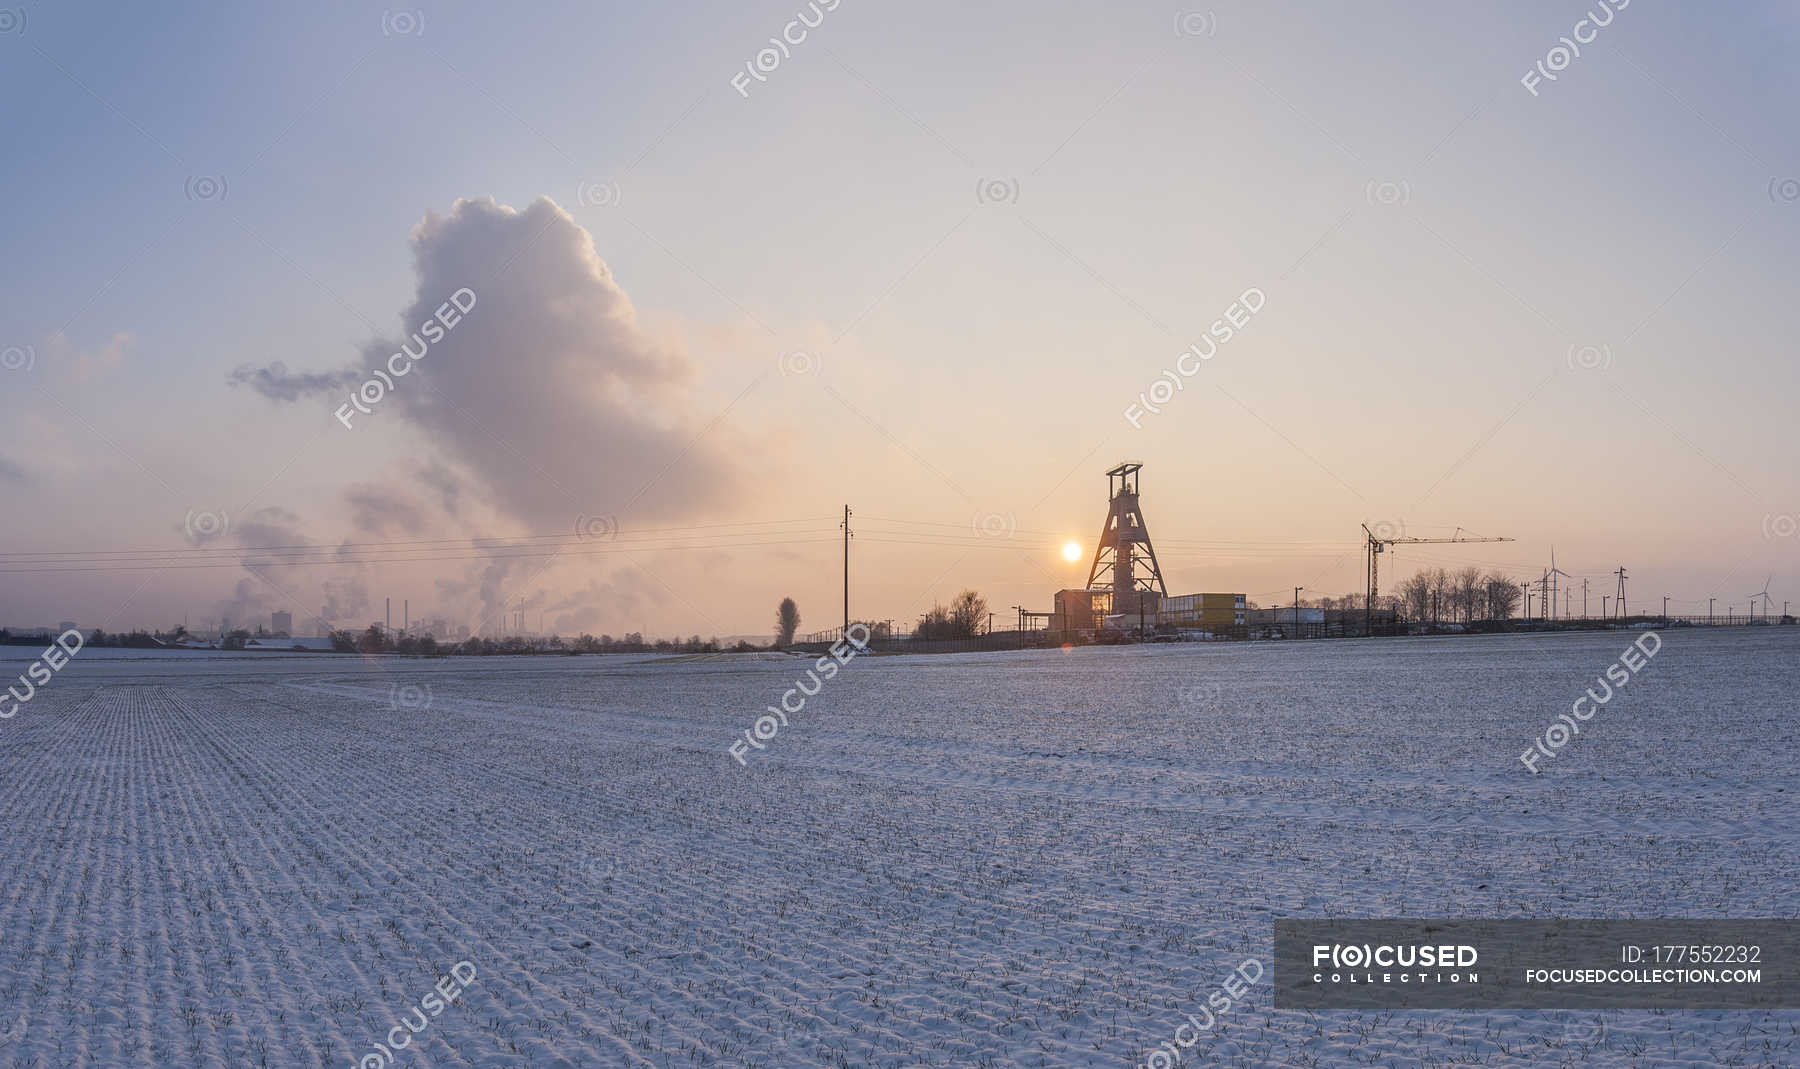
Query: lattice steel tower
point(1124, 546)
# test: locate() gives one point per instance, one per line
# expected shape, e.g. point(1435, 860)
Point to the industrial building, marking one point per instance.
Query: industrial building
point(1206, 612)
point(1125, 589)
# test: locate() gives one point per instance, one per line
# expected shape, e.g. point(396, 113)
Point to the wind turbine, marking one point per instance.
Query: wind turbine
point(1763, 594)
point(1553, 573)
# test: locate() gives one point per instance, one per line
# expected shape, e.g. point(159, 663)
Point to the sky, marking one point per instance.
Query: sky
point(924, 260)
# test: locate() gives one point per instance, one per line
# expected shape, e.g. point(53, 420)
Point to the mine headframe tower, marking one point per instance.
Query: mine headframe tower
point(1124, 560)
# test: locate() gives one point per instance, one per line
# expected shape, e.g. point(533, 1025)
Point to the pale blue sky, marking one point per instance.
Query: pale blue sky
point(1412, 363)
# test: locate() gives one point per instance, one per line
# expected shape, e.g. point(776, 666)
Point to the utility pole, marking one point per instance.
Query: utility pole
point(1604, 598)
point(846, 526)
point(1297, 591)
point(1622, 577)
point(1665, 608)
point(1527, 588)
point(1709, 607)
point(990, 625)
point(1584, 583)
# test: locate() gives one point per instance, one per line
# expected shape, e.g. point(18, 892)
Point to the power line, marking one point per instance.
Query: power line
point(357, 546)
point(251, 560)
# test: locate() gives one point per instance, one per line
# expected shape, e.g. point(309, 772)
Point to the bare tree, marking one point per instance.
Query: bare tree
point(1439, 582)
point(1502, 596)
point(968, 613)
point(935, 624)
point(962, 619)
point(787, 621)
point(1467, 583)
point(1414, 593)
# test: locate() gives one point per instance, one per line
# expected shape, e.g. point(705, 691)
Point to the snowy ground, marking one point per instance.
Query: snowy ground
point(1029, 859)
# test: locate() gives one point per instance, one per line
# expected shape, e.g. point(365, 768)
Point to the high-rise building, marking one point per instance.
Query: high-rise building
point(281, 623)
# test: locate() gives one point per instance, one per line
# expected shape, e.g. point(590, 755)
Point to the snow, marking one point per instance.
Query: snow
point(1046, 858)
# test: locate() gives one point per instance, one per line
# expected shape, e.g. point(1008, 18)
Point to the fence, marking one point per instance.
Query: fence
point(1346, 625)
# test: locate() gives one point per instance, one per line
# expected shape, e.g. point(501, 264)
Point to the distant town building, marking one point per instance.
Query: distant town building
point(1275, 617)
point(287, 644)
point(441, 629)
point(282, 623)
point(66, 625)
point(1081, 609)
point(1204, 611)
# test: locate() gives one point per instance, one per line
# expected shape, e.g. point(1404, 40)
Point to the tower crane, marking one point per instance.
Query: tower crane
point(1378, 545)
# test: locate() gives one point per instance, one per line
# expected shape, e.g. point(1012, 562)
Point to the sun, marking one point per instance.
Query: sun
point(1072, 552)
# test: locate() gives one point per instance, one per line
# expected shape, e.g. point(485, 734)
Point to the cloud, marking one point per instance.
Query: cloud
point(85, 364)
point(547, 392)
point(443, 482)
point(267, 587)
point(484, 595)
point(600, 605)
point(271, 527)
point(346, 602)
point(378, 510)
point(277, 384)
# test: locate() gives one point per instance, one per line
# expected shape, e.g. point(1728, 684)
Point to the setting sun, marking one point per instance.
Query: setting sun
point(1072, 552)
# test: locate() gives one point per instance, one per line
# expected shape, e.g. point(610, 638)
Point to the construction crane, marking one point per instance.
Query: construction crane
point(1377, 546)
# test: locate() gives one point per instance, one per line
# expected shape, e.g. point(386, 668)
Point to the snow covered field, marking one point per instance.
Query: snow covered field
point(1028, 859)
